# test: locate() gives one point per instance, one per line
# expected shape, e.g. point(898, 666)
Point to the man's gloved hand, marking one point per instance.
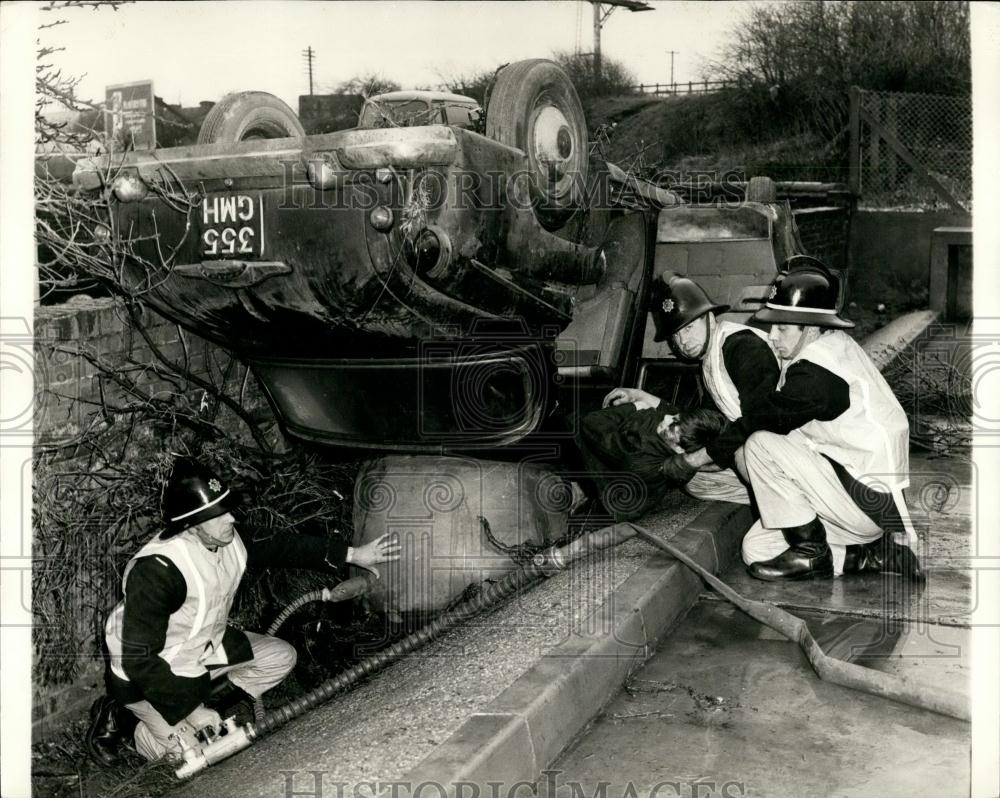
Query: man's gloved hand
point(677, 469)
point(201, 716)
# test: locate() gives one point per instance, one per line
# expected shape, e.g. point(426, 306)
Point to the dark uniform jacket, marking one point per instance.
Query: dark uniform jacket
point(156, 589)
point(809, 393)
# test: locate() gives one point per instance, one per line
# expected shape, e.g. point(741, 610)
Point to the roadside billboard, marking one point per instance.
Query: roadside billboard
point(129, 114)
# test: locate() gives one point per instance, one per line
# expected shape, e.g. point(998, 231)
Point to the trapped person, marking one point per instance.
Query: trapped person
point(624, 449)
point(737, 365)
point(827, 452)
point(168, 638)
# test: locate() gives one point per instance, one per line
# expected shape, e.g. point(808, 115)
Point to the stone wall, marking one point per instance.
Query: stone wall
point(890, 252)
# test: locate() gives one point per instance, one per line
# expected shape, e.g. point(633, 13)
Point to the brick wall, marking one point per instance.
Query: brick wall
point(69, 388)
point(71, 394)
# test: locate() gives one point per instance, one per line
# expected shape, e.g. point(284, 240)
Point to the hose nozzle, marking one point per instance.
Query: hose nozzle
point(550, 562)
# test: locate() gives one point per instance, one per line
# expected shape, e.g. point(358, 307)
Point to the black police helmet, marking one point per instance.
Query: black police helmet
point(193, 495)
point(675, 302)
point(805, 292)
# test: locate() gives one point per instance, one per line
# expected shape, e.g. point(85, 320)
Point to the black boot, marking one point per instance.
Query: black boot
point(885, 556)
point(226, 697)
point(808, 556)
point(111, 725)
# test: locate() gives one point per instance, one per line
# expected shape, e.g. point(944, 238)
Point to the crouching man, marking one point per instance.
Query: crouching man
point(827, 454)
point(168, 638)
point(737, 365)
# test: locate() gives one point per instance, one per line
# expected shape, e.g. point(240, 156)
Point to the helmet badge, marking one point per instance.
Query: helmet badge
point(214, 485)
point(773, 293)
point(668, 305)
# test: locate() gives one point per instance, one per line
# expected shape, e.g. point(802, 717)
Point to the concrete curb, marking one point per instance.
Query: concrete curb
point(884, 344)
point(525, 728)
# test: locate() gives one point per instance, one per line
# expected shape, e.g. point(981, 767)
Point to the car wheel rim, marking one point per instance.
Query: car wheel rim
point(552, 150)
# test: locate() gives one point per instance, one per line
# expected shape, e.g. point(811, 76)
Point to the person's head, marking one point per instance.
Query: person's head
point(788, 340)
point(195, 498)
point(215, 532)
point(691, 430)
point(683, 314)
point(691, 340)
point(803, 302)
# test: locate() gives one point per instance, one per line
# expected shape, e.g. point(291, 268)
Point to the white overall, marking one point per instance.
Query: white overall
point(793, 482)
point(195, 630)
point(722, 485)
point(194, 638)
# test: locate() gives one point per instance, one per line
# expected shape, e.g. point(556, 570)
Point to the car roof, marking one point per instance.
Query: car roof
point(422, 95)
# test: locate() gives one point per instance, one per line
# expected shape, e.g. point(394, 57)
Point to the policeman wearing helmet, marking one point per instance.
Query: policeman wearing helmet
point(737, 364)
point(827, 453)
point(168, 639)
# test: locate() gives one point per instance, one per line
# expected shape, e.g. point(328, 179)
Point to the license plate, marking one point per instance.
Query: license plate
point(232, 226)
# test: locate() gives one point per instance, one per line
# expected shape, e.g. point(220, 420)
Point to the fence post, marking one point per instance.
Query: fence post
point(854, 172)
point(875, 151)
point(690, 87)
point(641, 89)
point(890, 123)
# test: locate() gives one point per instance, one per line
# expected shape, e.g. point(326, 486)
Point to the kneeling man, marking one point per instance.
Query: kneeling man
point(827, 454)
point(168, 638)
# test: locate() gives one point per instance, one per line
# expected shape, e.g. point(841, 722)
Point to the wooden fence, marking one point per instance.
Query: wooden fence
point(691, 87)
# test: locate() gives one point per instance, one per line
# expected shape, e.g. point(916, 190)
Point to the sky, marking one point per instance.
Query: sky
point(201, 50)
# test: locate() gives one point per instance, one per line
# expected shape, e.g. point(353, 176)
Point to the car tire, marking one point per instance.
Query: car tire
point(761, 189)
point(249, 115)
point(534, 107)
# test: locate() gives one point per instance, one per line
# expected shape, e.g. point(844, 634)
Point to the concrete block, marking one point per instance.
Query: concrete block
point(88, 323)
point(112, 321)
point(884, 344)
point(109, 345)
point(558, 696)
point(666, 606)
point(66, 328)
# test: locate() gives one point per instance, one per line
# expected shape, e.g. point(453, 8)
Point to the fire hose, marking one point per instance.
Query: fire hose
point(348, 589)
point(830, 669)
point(232, 738)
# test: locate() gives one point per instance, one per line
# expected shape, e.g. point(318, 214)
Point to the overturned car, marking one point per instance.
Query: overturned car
point(433, 285)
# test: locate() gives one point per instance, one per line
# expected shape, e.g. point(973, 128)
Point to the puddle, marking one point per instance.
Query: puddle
point(858, 640)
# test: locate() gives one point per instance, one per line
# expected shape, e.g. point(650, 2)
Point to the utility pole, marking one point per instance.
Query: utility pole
point(672, 54)
point(598, 21)
point(601, 16)
point(309, 55)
